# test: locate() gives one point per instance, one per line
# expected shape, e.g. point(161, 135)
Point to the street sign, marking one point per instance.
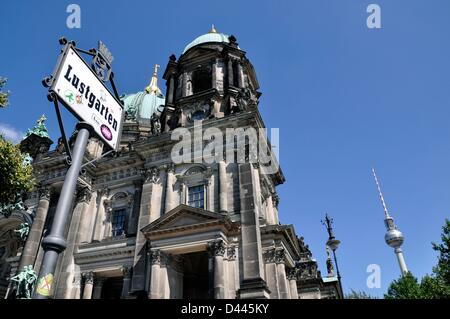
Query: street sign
point(87, 97)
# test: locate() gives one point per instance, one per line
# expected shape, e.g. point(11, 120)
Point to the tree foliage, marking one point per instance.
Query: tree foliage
point(3, 95)
point(16, 174)
point(358, 295)
point(406, 287)
point(434, 286)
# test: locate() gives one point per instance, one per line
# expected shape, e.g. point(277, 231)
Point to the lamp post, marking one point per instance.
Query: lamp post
point(333, 243)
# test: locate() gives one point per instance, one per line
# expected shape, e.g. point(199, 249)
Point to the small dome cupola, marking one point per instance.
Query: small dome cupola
point(211, 37)
point(142, 105)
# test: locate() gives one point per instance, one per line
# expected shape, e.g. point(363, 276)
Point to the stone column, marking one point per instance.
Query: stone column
point(271, 273)
point(217, 249)
point(65, 287)
point(98, 286)
point(171, 88)
point(184, 85)
point(126, 282)
point(292, 277)
point(223, 184)
point(231, 256)
point(34, 237)
point(275, 201)
point(169, 202)
point(149, 211)
point(253, 285)
point(88, 284)
point(281, 273)
point(240, 73)
point(230, 72)
point(155, 260)
point(133, 224)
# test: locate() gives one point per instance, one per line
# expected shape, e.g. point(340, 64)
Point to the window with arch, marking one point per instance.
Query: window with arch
point(201, 80)
point(119, 209)
point(196, 196)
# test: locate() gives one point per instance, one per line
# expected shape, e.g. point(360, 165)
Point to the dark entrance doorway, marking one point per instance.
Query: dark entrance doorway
point(196, 276)
point(112, 288)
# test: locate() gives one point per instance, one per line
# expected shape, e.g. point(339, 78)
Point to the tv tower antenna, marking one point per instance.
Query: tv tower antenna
point(393, 237)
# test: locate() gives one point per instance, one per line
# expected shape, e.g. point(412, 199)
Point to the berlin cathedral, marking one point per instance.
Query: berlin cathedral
point(144, 227)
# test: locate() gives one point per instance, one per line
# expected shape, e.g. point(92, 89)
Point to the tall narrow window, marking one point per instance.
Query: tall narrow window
point(197, 196)
point(202, 80)
point(118, 222)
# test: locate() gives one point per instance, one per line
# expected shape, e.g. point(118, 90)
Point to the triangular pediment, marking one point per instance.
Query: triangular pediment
point(184, 216)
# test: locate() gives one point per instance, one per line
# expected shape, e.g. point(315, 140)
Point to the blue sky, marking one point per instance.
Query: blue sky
point(345, 98)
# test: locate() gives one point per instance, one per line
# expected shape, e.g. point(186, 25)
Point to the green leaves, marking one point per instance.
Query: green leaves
point(435, 286)
point(3, 95)
point(16, 175)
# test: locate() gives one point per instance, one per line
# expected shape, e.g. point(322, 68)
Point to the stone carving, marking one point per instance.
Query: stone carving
point(217, 248)
point(23, 231)
point(155, 257)
point(270, 255)
point(279, 256)
point(88, 277)
point(275, 200)
point(24, 282)
point(170, 168)
point(151, 175)
point(155, 124)
point(84, 195)
point(45, 192)
point(292, 273)
point(330, 268)
point(126, 271)
point(231, 252)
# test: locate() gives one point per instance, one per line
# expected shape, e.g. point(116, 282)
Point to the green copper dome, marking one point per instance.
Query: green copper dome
point(211, 36)
point(142, 105)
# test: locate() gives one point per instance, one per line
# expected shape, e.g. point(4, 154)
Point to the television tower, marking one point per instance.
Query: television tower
point(394, 238)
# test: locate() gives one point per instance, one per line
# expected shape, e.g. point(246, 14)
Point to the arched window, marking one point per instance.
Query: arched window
point(119, 209)
point(202, 80)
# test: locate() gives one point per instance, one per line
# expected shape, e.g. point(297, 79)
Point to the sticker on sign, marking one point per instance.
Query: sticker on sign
point(87, 97)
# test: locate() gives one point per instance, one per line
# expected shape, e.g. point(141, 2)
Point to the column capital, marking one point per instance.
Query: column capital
point(279, 255)
point(45, 192)
point(269, 255)
point(88, 277)
point(217, 248)
point(84, 194)
point(275, 200)
point(151, 174)
point(170, 168)
point(126, 271)
point(292, 273)
point(231, 252)
point(155, 257)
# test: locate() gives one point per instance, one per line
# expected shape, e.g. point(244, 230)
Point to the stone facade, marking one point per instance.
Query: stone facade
point(143, 227)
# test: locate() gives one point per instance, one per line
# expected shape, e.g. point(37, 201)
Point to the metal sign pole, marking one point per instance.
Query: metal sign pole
point(55, 242)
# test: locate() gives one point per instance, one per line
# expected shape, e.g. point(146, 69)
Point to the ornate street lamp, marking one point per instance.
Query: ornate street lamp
point(333, 243)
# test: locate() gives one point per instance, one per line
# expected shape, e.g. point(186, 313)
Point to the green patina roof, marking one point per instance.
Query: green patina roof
point(143, 105)
point(39, 129)
point(208, 37)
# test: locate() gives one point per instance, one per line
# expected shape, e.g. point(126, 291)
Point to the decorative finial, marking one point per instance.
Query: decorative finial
point(41, 120)
point(153, 88)
point(386, 213)
point(213, 30)
point(39, 129)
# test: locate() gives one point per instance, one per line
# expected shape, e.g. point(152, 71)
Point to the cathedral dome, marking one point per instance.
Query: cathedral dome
point(142, 105)
point(211, 36)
